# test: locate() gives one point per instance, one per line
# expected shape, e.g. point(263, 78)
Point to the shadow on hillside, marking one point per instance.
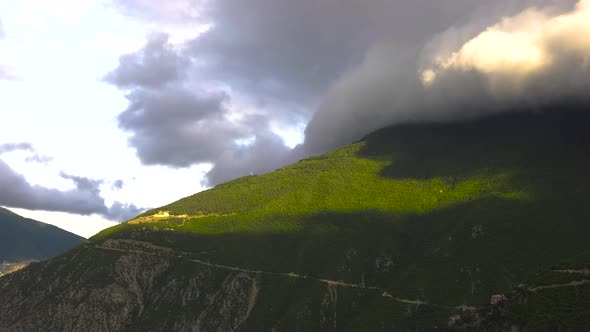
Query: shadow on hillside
point(460, 253)
point(529, 141)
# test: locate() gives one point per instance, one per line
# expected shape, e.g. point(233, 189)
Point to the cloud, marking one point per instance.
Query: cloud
point(10, 147)
point(245, 160)
point(118, 185)
point(85, 199)
point(179, 127)
point(175, 126)
point(344, 68)
point(155, 65)
point(256, 68)
point(461, 73)
point(84, 184)
point(288, 53)
point(527, 49)
point(36, 158)
point(177, 121)
point(122, 211)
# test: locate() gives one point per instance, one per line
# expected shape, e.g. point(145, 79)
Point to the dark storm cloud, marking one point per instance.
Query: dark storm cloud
point(290, 51)
point(156, 64)
point(281, 55)
point(345, 67)
point(294, 49)
point(177, 127)
point(85, 199)
point(178, 122)
point(389, 86)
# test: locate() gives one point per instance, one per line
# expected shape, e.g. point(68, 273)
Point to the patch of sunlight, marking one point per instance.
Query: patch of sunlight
point(515, 195)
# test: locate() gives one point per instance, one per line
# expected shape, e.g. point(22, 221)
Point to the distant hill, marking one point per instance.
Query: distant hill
point(400, 231)
point(23, 239)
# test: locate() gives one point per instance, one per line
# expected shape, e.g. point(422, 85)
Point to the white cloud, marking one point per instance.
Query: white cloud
point(520, 47)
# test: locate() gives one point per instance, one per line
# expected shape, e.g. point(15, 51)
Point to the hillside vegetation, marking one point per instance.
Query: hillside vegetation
point(396, 232)
point(448, 213)
point(556, 299)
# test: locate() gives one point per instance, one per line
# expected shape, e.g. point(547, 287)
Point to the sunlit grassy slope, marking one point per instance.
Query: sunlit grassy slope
point(448, 213)
point(340, 182)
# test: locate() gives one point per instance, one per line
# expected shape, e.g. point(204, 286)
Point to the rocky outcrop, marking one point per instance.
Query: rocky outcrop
point(129, 285)
point(133, 285)
point(128, 291)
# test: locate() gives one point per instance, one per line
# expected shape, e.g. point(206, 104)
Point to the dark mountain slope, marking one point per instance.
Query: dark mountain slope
point(397, 232)
point(26, 239)
point(556, 299)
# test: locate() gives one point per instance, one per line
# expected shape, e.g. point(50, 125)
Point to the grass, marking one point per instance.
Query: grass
point(448, 214)
point(338, 181)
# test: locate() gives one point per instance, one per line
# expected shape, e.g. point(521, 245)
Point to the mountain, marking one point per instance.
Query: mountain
point(556, 299)
point(401, 231)
point(23, 240)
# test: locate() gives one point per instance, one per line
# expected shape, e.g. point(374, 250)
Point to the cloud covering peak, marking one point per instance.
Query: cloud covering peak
point(342, 70)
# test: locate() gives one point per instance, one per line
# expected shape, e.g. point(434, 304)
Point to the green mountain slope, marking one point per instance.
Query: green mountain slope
point(24, 239)
point(396, 232)
point(556, 299)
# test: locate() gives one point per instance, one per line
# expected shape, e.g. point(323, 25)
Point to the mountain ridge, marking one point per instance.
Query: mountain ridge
point(400, 231)
point(24, 239)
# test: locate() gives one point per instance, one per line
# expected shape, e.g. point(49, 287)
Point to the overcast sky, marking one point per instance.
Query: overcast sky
point(110, 107)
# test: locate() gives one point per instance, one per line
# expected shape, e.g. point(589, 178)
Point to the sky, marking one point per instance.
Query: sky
point(110, 107)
